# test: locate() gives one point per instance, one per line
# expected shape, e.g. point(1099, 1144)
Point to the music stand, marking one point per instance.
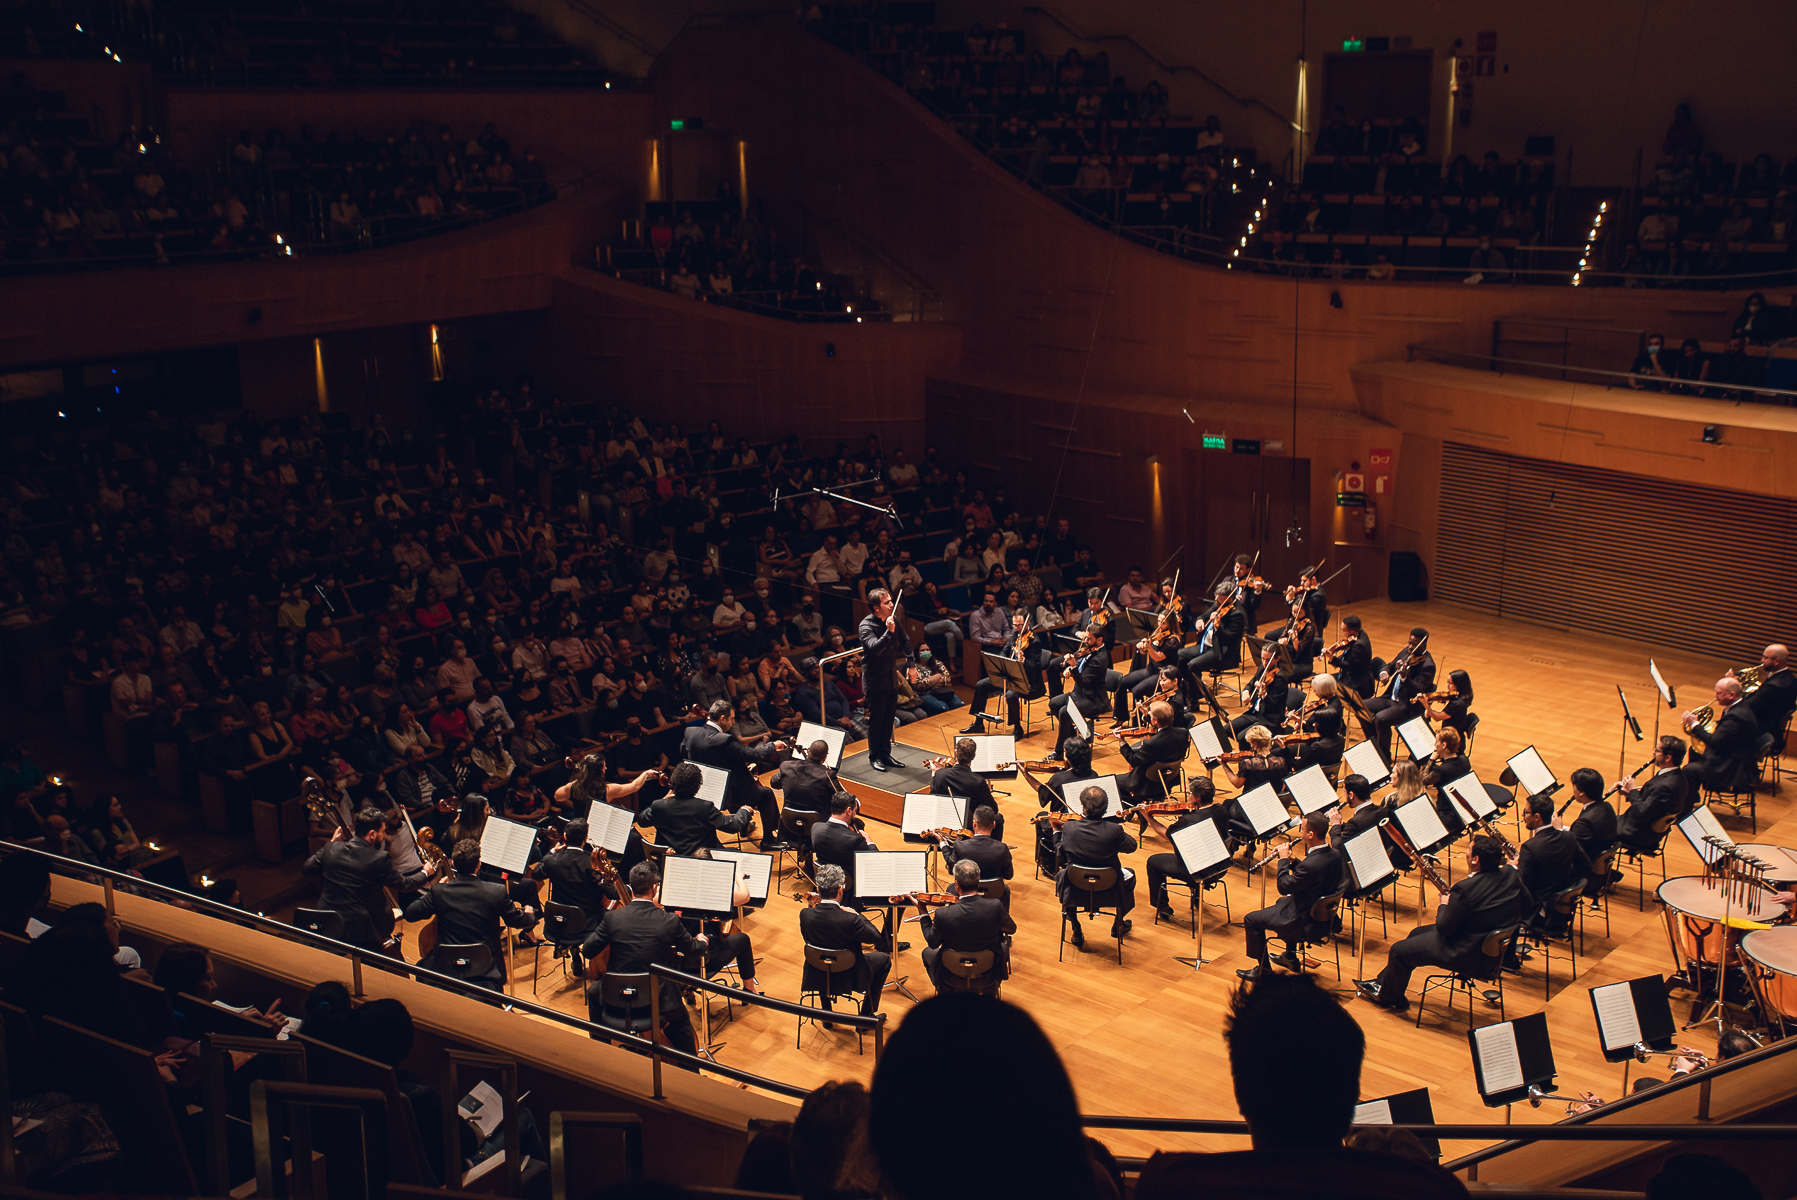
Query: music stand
point(1634, 1019)
point(1205, 694)
point(1666, 694)
point(1200, 847)
point(1629, 725)
point(1353, 703)
point(1513, 1060)
point(1141, 623)
point(1401, 1108)
point(1009, 677)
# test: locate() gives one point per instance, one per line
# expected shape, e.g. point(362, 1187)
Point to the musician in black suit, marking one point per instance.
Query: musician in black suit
point(1088, 694)
point(640, 934)
point(957, 778)
point(969, 925)
point(830, 926)
point(1219, 644)
point(1301, 884)
point(1776, 698)
point(1357, 813)
point(884, 647)
point(1166, 745)
point(1353, 663)
point(1076, 752)
point(1245, 581)
point(985, 851)
point(469, 911)
point(1666, 794)
point(355, 871)
point(684, 821)
point(1311, 595)
point(1549, 862)
point(806, 782)
point(713, 744)
point(985, 689)
point(1162, 867)
point(1490, 898)
point(1595, 826)
point(1094, 842)
point(1730, 751)
point(572, 880)
point(1414, 669)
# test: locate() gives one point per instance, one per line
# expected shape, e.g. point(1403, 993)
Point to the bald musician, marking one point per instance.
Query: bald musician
point(1728, 752)
point(1776, 698)
point(1094, 842)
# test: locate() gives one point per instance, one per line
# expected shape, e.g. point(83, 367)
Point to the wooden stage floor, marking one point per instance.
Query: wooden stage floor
point(1145, 1038)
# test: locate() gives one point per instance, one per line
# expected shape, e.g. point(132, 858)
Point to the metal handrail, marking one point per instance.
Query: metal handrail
point(1743, 391)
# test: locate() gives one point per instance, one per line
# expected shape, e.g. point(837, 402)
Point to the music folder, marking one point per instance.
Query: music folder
point(1368, 861)
point(990, 749)
point(714, 784)
point(1511, 1056)
point(1080, 725)
point(698, 885)
point(810, 731)
point(1401, 1108)
point(1364, 759)
point(1422, 825)
point(1659, 682)
point(754, 871)
point(1108, 783)
point(506, 844)
point(1472, 796)
point(1634, 1011)
point(1699, 824)
point(608, 826)
point(1419, 739)
point(1200, 847)
point(1205, 740)
point(1265, 810)
point(926, 810)
point(1536, 777)
point(881, 874)
point(1312, 789)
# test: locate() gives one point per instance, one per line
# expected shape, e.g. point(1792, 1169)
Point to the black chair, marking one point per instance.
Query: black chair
point(1489, 969)
point(1318, 929)
point(1466, 735)
point(1557, 931)
point(1640, 854)
point(322, 921)
point(830, 963)
point(1744, 790)
point(1597, 885)
point(1095, 882)
point(1218, 874)
point(969, 971)
point(623, 1004)
point(795, 831)
point(564, 927)
point(470, 961)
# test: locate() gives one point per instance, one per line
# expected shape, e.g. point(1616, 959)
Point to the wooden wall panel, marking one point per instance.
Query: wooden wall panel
point(1624, 555)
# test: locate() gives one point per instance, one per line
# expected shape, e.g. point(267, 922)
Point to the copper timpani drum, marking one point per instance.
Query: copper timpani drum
point(1700, 905)
point(1771, 956)
point(1781, 863)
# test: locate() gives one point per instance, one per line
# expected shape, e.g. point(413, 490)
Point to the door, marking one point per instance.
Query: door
point(1250, 502)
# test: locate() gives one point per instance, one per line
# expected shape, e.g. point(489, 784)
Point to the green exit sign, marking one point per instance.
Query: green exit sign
point(1353, 45)
point(677, 123)
point(1215, 442)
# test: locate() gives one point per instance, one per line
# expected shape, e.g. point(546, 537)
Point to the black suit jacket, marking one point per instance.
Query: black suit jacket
point(1551, 861)
point(1095, 844)
point(354, 874)
point(685, 824)
point(1089, 692)
point(1773, 701)
point(971, 924)
point(1418, 681)
point(808, 786)
point(837, 844)
point(1477, 905)
point(829, 926)
point(639, 935)
point(957, 780)
point(993, 856)
point(1596, 828)
point(571, 880)
point(469, 911)
point(1365, 817)
point(1355, 665)
point(710, 745)
point(883, 649)
point(1168, 745)
point(1306, 880)
point(1732, 749)
point(1663, 795)
point(1049, 794)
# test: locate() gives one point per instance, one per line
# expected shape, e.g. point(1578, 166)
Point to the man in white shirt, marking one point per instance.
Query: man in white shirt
point(181, 633)
point(487, 709)
point(825, 565)
point(901, 473)
point(822, 512)
point(132, 693)
point(459, 672)
point(657, 561)
point(728, 614)
point(531, 656)
point(1135, 593)
point(407, 552)
point(853, 555)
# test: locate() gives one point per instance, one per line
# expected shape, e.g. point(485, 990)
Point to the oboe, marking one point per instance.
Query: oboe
point(1614, 788)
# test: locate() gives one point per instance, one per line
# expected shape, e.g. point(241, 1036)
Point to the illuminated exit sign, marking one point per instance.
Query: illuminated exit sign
point(1215, 441)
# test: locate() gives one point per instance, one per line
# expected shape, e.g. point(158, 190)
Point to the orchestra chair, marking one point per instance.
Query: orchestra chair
point(657, 856)
point(1318, 930)
point(1489, 969)
point(564, 927)
point(322, 921)
point(1466, 735)
point(623, 1004)
point(1781, 746)
point(969, 971)
point(1357, 900)
point(1640, 854)
point(1168, 777)
point(1046, 863)
point(1561, 905)
point(1599, 879)
point(795, 831)
point(1204, 883)
point(1743, 792)
point(470, 961)
point(830, 964)
point(1095, 882)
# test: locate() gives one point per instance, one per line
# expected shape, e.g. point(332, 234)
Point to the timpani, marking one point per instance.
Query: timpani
point(1781, 862)
point(1704, 914)
point(1770, 956)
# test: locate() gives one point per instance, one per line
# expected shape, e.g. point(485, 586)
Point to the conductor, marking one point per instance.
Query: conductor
point(885, 645)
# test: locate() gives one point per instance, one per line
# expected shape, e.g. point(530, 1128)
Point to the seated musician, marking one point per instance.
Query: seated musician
point(686, 822)
point(1353, 661)
point(572, 878)
point(1731, 746)
point(1666, 794)
point(1357, 813)
point(1489, 898)
point(639, 934)
point(1153, 654)
point(1303, 641)
point(1301, 884)
point(1406, 785)
point(1162, 867)
point(1595, 826)
point(1445, 764)
point(470, 910)
point(984, 849)
point(1092, 841)
point(1323, 717)
point(971, 924)
point(1166, 746)
point(1263, 763)
point(835, 842)
point(806, 783)
point(829, 926)
point(1775, 698)
point(1089, 666)
point(721, 947)
point(1219, 644)
point(1455, 710)
point(1015, 647)
point(1266, 697)
point(1412, 676)
point(958, 779)
point(1550, 861)
point(1077, 754)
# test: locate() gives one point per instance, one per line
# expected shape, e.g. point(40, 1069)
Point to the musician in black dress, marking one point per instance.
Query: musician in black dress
point(1595, 826)
point(1443, 766)
point(1154, 652)
point(1264, 763)
point(1088, 695)
point(720, 947)
point(1162, 867)
point(1321, 715)
point(1666, 794)
point(1353, 663)
point(1411, 675)
point(1019, 646)
point(1455, 711)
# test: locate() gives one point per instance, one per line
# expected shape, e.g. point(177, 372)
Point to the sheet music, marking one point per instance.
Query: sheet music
point(1532, 773)
point(712, 787)
point(506, 844)
point(702, 884)
point(1200, 846)
point(1702, 823)
point(753, 871)
point(1205, 741)
point(1367, 857)
point(1363, 758)
point(1472, 795)
point(991, 749)
point(1419, 739)
point(1070, 793)
point(608, 826)
point(810, 732)
point(1079, 720)
point(1373, 1112)
point(1311, 789)
point(879, 874)
point(1659, 682)
point(1264, 809)
point(1422, 824)
point(1617, 1023)
point(1500, 1066)
point(925, 810)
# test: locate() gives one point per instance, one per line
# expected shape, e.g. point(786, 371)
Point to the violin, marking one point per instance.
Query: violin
point(1045, 765)
point(1023, 644)
point(931, 899)
point(945, 834)
point(1054, 819)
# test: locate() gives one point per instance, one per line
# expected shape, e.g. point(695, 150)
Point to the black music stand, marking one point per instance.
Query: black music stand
point(1141, 623)
point(1629, 725)
point(1534, 1053)
point(1010, 677)
point(1205, 694)
point(1652, 1009)
point(1353, 703)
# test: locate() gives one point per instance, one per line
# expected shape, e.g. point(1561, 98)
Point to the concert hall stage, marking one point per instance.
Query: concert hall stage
point(1144, 1038)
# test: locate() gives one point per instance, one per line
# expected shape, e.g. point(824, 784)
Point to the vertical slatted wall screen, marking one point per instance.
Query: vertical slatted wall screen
point(1578, 547)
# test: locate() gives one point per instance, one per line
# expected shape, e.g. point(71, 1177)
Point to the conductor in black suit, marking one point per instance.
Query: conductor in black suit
point(830, 926)
point(1664, 795)
point(969, 925)
point(714, 745)
point(470, 911)
point(958, 779)
point(1488, 899)
point(686, 822)
point(1301, 885)
point(640, 934)
point(1093, 841)
point(885, 645)
point(1728, 753)
point(985, 851)
point(1162, 867)
point(355, 872)
point(1166, 746)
